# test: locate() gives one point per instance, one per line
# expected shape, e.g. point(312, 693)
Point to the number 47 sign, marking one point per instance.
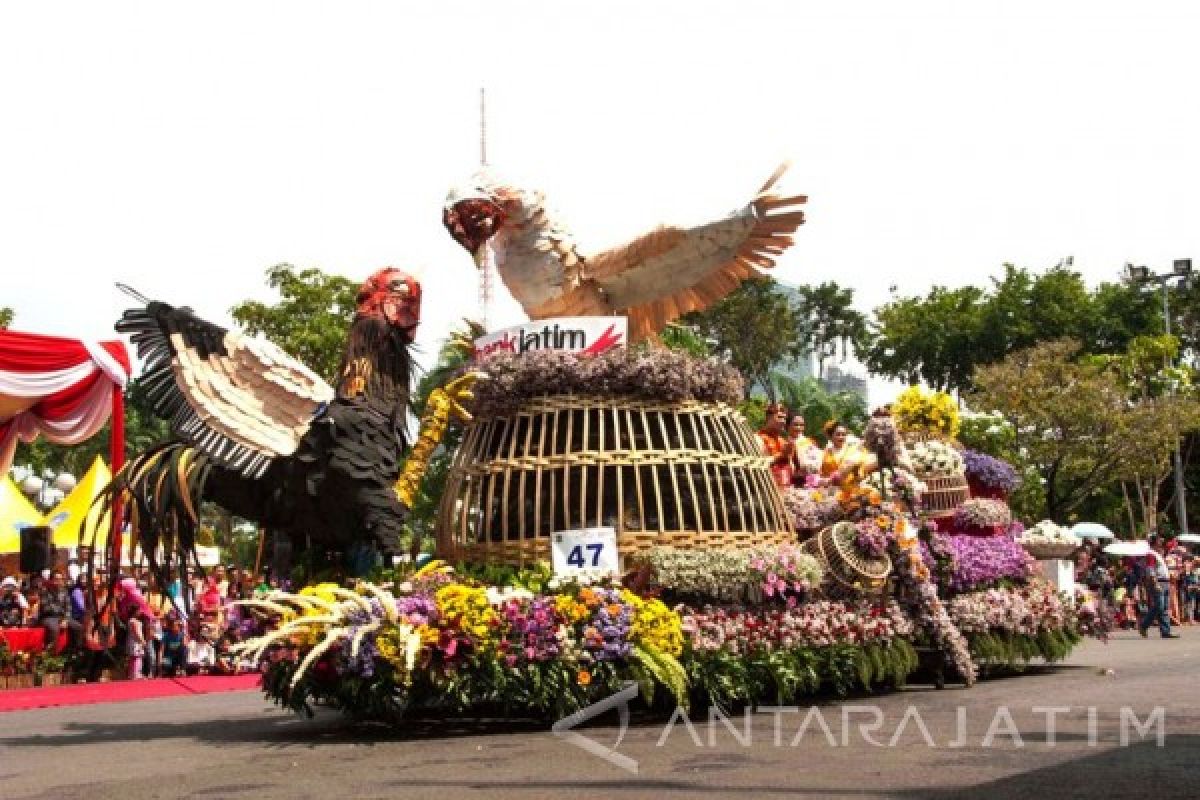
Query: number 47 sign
point(591, 550)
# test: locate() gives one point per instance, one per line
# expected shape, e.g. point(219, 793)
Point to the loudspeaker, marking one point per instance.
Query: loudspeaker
point(37, 549)
point(281, 557)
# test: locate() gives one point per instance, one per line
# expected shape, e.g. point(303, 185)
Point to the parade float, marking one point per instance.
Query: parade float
point(608, 516)
point(860, 595)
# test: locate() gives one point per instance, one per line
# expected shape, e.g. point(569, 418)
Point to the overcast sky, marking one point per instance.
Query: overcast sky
point(185, 148)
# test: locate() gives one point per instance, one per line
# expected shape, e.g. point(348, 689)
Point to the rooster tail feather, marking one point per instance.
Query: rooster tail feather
point(157, 496)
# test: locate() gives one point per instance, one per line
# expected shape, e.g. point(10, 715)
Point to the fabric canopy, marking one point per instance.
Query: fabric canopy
point(64, 389)
point(15, 513)
point(67, 518)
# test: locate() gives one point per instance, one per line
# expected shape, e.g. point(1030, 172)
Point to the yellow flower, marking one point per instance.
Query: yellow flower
point(657, 626)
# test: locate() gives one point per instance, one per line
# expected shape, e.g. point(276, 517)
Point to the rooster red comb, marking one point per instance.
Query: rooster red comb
point(392, 295)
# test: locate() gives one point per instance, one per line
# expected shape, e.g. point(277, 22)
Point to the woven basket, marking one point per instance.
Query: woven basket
point(680, 474)
point(1047, 552)
point(834, 549)
point(943, 495)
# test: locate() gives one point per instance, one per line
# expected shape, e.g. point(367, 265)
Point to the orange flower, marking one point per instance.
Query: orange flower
point(583, 677)
point(589, 597)
point(883, 522)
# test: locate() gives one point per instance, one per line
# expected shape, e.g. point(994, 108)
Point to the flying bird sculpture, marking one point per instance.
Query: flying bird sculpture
point(659, 276)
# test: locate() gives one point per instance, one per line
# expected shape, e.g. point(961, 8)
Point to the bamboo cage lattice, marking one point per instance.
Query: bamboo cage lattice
point(680, 474)
point(943, 495)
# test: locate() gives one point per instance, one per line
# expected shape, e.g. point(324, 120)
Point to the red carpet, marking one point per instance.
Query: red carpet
point(82, 694)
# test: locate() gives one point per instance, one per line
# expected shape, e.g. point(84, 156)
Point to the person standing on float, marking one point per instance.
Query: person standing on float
point(776, 444)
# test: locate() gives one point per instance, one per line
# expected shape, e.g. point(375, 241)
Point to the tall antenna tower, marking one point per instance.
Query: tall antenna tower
point(485, 271)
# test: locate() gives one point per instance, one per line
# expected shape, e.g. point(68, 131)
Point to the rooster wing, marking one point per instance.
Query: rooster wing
point(672, 271)
point(241, 401)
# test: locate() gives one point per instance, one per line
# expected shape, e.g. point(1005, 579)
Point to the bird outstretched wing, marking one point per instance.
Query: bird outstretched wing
point(241, 401)
point(671, 271)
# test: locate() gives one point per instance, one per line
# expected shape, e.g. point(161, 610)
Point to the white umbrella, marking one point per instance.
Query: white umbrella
point(1138, 548)
point(1092, 530)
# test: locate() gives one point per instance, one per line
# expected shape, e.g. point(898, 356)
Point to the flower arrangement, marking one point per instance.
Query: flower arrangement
point(1048, 540)
point(1012, 625)
point(883, 440)
point(811, 509)
point(932, 619)
point(898, 484)
point(934, 459)
point(820, 624)
point(657, 374)
point(453, 645)
point(982, 514)
point(932, 412)
point(782, 573)
point(1023, 610)
point(989, 473)
point(981, 562)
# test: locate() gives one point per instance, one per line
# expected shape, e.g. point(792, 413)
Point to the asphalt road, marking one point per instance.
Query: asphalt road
point(929, 744)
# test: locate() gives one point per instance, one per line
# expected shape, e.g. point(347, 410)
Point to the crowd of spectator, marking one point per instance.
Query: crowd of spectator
point(1161, 588)
point(185, 627)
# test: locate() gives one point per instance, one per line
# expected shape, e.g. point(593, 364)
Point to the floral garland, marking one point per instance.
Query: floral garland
point(658, 375)
point(931, 615)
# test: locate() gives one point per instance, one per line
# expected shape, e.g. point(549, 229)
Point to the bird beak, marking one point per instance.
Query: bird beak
point(480, 256)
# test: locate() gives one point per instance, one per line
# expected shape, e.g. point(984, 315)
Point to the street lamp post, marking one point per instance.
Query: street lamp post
point(1181, 270)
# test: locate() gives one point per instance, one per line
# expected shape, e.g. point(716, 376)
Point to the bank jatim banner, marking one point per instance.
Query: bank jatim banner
point(584, 335)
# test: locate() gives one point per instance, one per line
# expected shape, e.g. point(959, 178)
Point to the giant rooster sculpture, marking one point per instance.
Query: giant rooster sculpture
point(267, 439)
point(653, 279)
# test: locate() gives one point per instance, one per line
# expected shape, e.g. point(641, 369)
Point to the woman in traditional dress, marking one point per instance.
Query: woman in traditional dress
point(844, 454)
point(806, 453)
point(776, 444)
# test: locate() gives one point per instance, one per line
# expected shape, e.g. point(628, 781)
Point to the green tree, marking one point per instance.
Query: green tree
point(1075, 426)
point(6, 317)
point(817, 405)
point(943, 337)
point(311, 319)
point(1163, 407)
point(828, 323)
point(931, 339)
point(753, 329)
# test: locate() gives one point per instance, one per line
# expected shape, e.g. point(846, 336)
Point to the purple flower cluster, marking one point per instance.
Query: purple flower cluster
point(659, 375)
point(417, 609)
point(532, 631)
point(980, 562)
point(869, 539)
point(606, 637)
point(992, 473)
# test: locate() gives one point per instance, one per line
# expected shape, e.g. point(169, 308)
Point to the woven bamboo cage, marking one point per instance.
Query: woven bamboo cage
point(943, 495)
point(834, 549)
point(681, 474)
